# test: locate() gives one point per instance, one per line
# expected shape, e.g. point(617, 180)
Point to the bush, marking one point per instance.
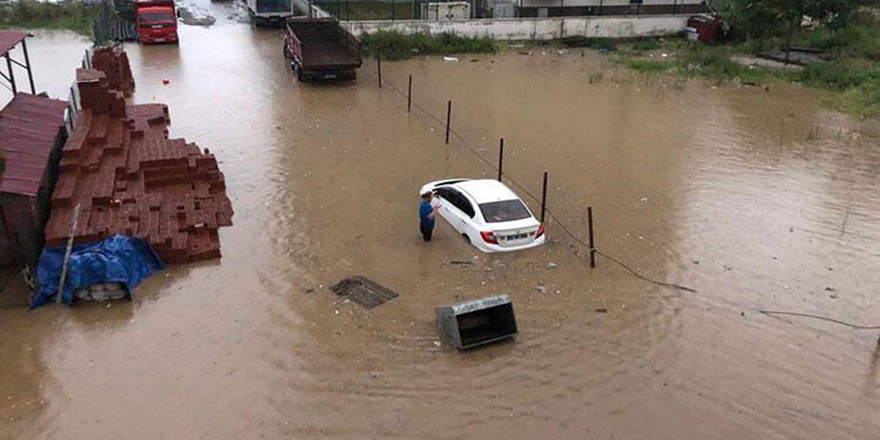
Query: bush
point(396, 46)
point(31, 14)
point(859, 39)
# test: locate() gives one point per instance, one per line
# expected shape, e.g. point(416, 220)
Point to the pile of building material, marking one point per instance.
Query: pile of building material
point(31, 132)
point(113, 61)
point(128, 178)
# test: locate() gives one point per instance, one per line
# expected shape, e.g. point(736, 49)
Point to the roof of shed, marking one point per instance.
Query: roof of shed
point(10, 39)
point(29, 127)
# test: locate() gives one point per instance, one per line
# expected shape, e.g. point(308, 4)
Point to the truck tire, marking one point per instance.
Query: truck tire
point(299, 73)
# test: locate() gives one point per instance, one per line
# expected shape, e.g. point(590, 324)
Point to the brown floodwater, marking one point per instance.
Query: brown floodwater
point(756, 199)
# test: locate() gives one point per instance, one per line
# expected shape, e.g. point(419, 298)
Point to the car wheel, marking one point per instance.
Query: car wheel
point(466, 238)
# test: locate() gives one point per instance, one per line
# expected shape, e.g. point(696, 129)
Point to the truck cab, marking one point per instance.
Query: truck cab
point(156, 21)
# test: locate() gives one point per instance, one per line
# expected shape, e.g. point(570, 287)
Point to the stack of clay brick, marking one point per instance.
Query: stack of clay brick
point(128, 178)
point(113, 61)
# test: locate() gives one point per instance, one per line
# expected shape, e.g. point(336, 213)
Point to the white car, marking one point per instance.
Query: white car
point(487, 213)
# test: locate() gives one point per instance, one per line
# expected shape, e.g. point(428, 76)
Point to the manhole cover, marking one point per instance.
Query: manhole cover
point(363, 291)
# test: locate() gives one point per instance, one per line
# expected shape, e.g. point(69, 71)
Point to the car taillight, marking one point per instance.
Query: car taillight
point(540, 230)
point(489, 237)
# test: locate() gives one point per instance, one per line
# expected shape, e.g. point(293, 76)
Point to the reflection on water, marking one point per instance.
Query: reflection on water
point(740, 193)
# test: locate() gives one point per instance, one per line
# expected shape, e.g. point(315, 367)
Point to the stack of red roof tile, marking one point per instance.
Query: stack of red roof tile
point(130, 179)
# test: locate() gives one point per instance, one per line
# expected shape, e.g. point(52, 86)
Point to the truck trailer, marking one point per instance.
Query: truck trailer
point(319, 48)
point(269, 12)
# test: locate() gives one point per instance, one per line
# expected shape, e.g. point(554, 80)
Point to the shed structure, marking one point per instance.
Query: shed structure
point(31, 135)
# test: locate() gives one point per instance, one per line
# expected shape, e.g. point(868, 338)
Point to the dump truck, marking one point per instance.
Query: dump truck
point(156, 21)
point(319, 48)
point(269, 12)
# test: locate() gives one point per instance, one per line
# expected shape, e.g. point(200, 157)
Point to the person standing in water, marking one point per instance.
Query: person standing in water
point(426, 216)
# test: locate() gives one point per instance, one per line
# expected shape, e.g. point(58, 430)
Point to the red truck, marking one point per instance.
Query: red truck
point(156, 21)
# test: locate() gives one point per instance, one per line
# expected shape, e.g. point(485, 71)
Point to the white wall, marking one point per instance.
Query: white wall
point(316, 11)
point(596, 3)
point(535, 28)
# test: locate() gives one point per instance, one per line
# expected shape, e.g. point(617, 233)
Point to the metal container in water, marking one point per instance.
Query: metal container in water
point(477, 322)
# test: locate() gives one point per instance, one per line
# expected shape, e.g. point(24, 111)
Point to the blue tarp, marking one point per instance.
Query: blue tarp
point(118, 259)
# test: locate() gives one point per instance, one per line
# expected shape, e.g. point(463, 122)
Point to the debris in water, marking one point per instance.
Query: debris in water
point(363, 291)
point(602, 310)
point(453, 59)
point(461, 263)
point(541, 288)
point(553, 265)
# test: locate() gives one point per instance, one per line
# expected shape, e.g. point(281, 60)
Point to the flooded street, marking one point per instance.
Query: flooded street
point(757, 199)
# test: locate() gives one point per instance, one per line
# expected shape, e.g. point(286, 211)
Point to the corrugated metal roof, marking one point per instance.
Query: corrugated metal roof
point(9, 39)
point(29, 127)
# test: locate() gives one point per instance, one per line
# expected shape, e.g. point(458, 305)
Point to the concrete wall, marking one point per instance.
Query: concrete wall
point(596, 3)
point(316, 11)
point(535, 28)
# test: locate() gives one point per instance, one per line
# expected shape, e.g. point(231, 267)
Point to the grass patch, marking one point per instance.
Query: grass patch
point(647, 66)
point(30, 14)
point(715, 63)
point(645, 45)
point(601, 44)
point(396, 46)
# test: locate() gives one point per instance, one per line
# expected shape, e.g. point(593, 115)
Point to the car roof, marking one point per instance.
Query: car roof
point(486, 190)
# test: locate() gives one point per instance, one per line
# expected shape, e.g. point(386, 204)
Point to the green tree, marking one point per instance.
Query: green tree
point(782, 18)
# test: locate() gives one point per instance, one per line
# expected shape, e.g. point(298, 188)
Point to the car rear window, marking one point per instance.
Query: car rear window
point(504, 211)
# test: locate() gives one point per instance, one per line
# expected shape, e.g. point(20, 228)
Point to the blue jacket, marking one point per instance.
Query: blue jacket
point(425, 217)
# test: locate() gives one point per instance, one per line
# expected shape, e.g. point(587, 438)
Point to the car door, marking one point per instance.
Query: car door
point(461, 212)
point(445, 205)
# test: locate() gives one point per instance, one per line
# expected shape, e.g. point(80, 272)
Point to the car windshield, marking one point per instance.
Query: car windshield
point(156, 17)
point(504, 211)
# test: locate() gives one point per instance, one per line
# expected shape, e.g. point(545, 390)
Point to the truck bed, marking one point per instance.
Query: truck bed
point(327, 54)
point(321, 44)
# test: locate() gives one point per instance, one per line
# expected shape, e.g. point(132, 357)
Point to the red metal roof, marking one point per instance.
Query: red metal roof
point(9, 39)
point(29, 127)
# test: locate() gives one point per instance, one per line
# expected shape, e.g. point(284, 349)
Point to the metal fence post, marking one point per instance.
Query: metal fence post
point(379, 67)
point(590, 230)
point(544, 198)
point(448, 118)
point(500, 159)
point(409, 96)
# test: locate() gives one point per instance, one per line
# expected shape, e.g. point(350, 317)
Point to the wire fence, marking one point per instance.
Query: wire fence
point(406, 94)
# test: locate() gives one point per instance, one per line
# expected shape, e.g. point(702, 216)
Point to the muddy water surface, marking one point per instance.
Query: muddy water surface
point(756, 199)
